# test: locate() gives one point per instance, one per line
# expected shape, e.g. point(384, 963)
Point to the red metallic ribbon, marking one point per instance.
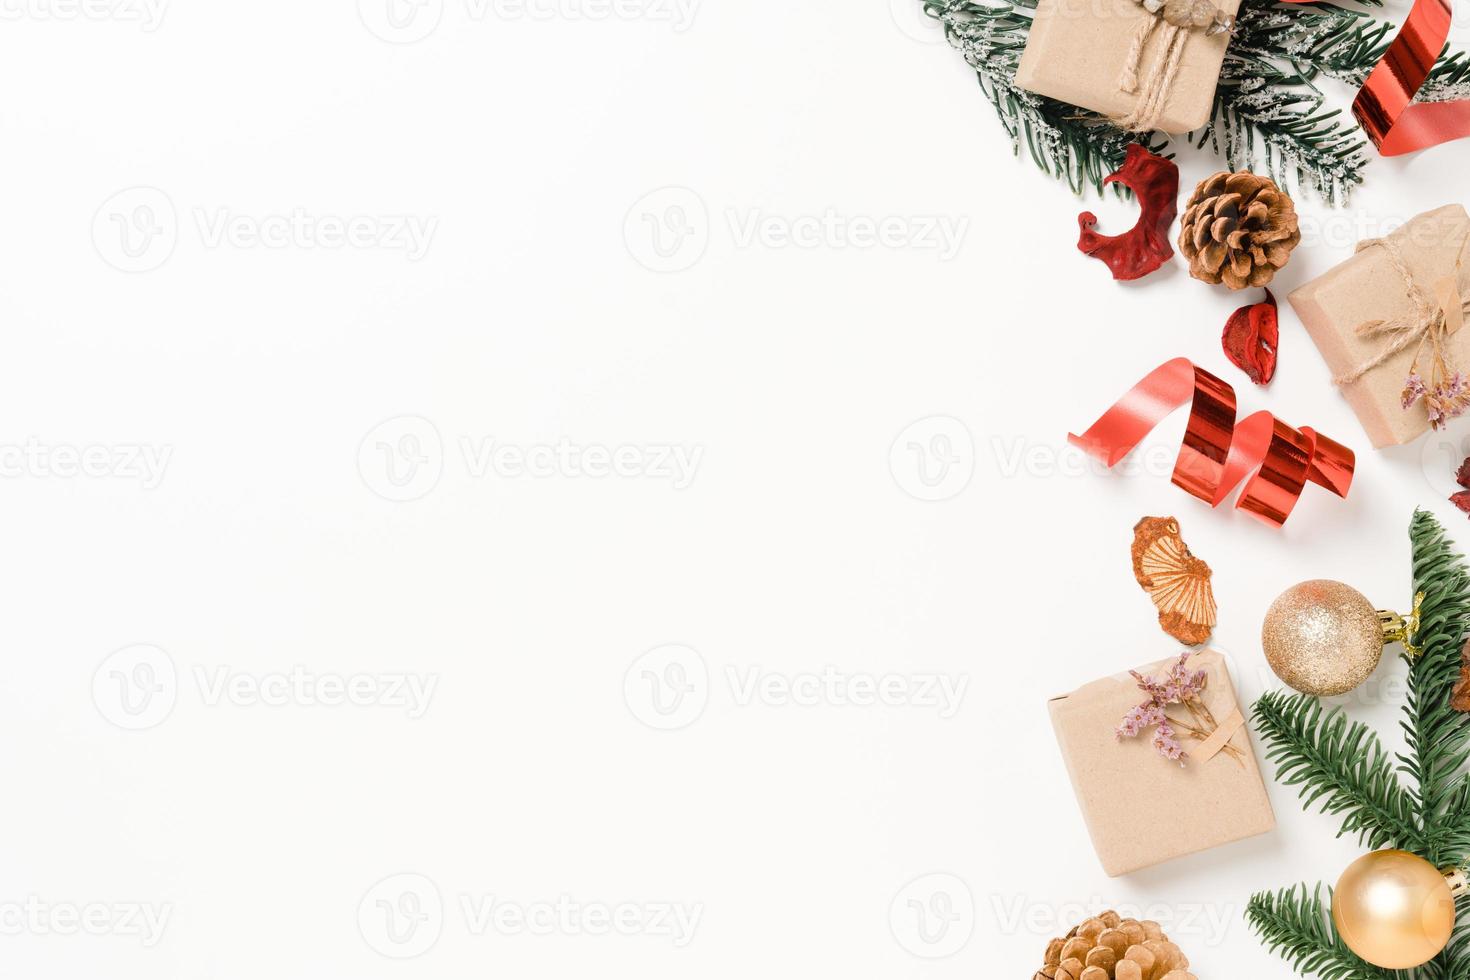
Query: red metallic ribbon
point(1218, 452)
point(1385, 105)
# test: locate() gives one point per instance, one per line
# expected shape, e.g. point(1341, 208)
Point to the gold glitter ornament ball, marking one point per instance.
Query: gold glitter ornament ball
point(1394, 909)
point(1322, 637)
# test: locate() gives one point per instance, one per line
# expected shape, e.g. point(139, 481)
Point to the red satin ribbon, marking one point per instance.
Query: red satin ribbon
point(1385, 105)
point(1218, 452)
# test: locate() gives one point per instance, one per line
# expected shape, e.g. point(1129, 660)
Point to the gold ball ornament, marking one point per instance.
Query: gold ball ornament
point(1394, 909)
point(1322, 637)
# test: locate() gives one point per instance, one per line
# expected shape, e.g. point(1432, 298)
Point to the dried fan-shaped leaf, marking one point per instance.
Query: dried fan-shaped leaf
point(1176, 581)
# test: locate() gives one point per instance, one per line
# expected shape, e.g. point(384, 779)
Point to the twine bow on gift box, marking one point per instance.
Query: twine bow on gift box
point(1177, 19)
point(1432, 321)
point(1387, 105)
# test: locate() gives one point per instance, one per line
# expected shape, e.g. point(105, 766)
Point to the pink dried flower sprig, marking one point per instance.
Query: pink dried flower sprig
point(1446, 396)
point(1180, 686)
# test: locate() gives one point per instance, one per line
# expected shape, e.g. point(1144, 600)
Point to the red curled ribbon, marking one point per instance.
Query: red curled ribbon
point(1385, 105)
point(1218, 453)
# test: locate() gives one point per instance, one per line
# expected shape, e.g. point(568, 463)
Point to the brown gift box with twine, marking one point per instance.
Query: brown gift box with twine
point(1145, 65)
point(1141, 808)
point(1399, 302)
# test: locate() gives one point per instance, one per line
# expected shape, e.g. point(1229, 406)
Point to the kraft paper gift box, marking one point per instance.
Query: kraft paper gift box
point(1370, 287)
point(1141, 808)
point(1076, 51)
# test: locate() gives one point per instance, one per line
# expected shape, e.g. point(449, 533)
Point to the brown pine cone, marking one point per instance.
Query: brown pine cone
point(1108, 947)
point(1238, 229)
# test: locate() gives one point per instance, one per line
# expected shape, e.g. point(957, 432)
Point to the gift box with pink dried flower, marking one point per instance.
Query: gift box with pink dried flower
point(1387, 321)
point(1161, 762)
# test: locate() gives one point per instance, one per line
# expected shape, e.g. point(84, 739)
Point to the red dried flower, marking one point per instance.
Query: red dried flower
point(1155, 183)
point(1462, 498)
point(1250, 339)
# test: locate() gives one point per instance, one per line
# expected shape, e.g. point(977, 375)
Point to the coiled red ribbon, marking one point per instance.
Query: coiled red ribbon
point(1218, 453)
point(1385, 105)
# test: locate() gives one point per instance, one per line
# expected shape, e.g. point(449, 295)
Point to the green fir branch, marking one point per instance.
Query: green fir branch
point(1438, 736)
point(1340, 764)
point(1071, 144)
point(1295, 925)
point(1297, 138)
point(1344, 765)
point(1268, 109)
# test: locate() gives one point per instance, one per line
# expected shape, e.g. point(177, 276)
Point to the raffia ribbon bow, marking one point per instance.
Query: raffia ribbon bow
point(1432, 319)
point(1175, 20)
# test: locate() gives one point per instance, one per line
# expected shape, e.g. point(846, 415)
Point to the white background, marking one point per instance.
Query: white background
point(300, 391)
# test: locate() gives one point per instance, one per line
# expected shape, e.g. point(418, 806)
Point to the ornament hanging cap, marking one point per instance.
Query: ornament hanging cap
point(1402, 629)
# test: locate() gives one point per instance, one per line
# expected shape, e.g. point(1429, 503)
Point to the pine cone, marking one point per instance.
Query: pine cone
point(1238, 229)
point(1111, 948)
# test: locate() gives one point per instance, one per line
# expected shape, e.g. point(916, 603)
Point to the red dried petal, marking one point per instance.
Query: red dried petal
point(1250, 339)
point(1461, 500)
point(1155, 184)
point(1462, 475)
